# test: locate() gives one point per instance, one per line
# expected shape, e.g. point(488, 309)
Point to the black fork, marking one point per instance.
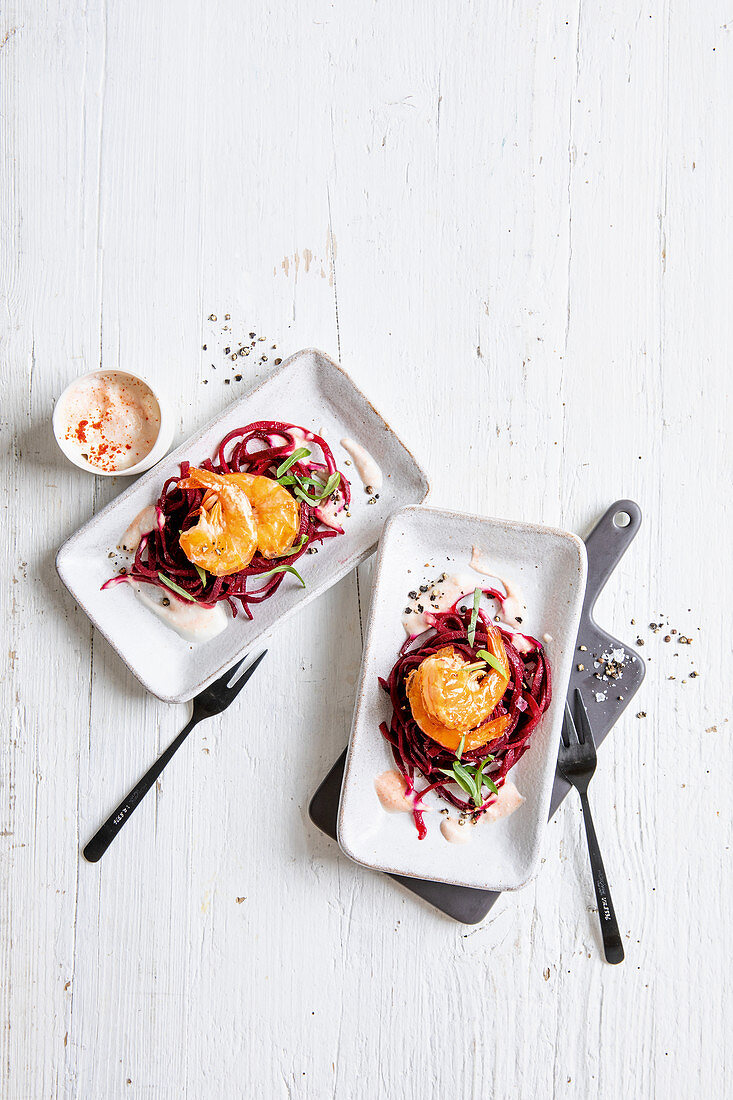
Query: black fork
point(576, 762)
point(212, 700)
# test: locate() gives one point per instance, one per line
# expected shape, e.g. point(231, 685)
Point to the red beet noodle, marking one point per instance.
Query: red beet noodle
point(525, 700)
point(259, 449)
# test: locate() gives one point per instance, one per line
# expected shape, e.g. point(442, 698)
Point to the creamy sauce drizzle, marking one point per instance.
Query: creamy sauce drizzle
point(365, 466)
point(514, 607)
point(454, 832)
point(143, 524)
point(111, 420)
point(328, 513)
point(390, 787)
point(191, 621)
point(444, 593)
point(300, 437)
point(507, 801)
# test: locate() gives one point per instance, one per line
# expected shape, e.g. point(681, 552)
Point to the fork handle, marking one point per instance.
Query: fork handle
point(102, 839)
point(612, 945)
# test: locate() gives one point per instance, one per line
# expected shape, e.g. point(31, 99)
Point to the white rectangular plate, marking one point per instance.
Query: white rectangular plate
point(418, 544)
point(309, 390)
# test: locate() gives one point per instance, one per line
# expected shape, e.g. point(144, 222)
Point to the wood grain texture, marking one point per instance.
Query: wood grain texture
point(510, 222)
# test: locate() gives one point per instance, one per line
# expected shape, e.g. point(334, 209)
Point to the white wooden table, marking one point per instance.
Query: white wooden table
point(511, 223)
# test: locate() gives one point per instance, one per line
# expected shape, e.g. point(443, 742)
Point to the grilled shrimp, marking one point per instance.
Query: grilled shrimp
point(225, 538)
point(276, 513)
point(450, 697)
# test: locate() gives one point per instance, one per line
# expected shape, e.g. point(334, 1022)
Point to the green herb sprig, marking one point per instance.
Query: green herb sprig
point(294, 549)
point(302, 452)
point(176, 588)
point(490, 659)
point(202, 574)
point(474, 616)
point(471, 778)
point(320, 490)
point(283, 569)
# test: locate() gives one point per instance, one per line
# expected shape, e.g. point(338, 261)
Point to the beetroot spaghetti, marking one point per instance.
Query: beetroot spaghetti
point(287, 454)
point(527, 696)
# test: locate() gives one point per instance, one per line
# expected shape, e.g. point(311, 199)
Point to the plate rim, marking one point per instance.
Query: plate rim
point(67, 546)
point(546, 790)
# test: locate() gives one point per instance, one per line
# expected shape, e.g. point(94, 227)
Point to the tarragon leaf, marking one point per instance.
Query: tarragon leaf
point(474, 616)
point(302, 452)
point(176, 588)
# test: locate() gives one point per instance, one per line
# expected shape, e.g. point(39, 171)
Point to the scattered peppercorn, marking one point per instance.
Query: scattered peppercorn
point(212, 316)
point(278, 362)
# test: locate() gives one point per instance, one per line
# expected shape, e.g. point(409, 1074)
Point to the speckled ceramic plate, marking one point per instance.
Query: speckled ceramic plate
point(549, 566)
point(310, 390)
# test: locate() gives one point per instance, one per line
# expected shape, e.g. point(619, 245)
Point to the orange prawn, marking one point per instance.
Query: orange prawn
point(276, 513)
point(225, 538)
point(451, 698)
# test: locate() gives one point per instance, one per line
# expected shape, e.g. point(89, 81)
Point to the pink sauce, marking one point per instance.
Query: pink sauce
point(111, 420)
point(507, 801)
point(143, 524)
point(390, 787)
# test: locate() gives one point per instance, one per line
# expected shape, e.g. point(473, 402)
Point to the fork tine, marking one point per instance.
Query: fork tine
point(234, 691)
point(221, 683)
point(569, 732)
point(586, 733)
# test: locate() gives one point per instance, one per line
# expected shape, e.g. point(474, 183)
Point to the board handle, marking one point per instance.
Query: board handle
point(606, 545)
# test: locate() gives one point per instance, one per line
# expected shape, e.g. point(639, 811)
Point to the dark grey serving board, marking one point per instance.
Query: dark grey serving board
point(606, 545)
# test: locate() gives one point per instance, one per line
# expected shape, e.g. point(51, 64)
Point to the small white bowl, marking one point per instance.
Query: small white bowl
point(156, 452)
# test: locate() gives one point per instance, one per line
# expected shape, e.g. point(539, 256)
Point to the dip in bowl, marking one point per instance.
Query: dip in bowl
point(111, 423)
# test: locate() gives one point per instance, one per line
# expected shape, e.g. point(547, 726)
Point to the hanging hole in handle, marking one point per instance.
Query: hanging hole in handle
point(621, 519)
